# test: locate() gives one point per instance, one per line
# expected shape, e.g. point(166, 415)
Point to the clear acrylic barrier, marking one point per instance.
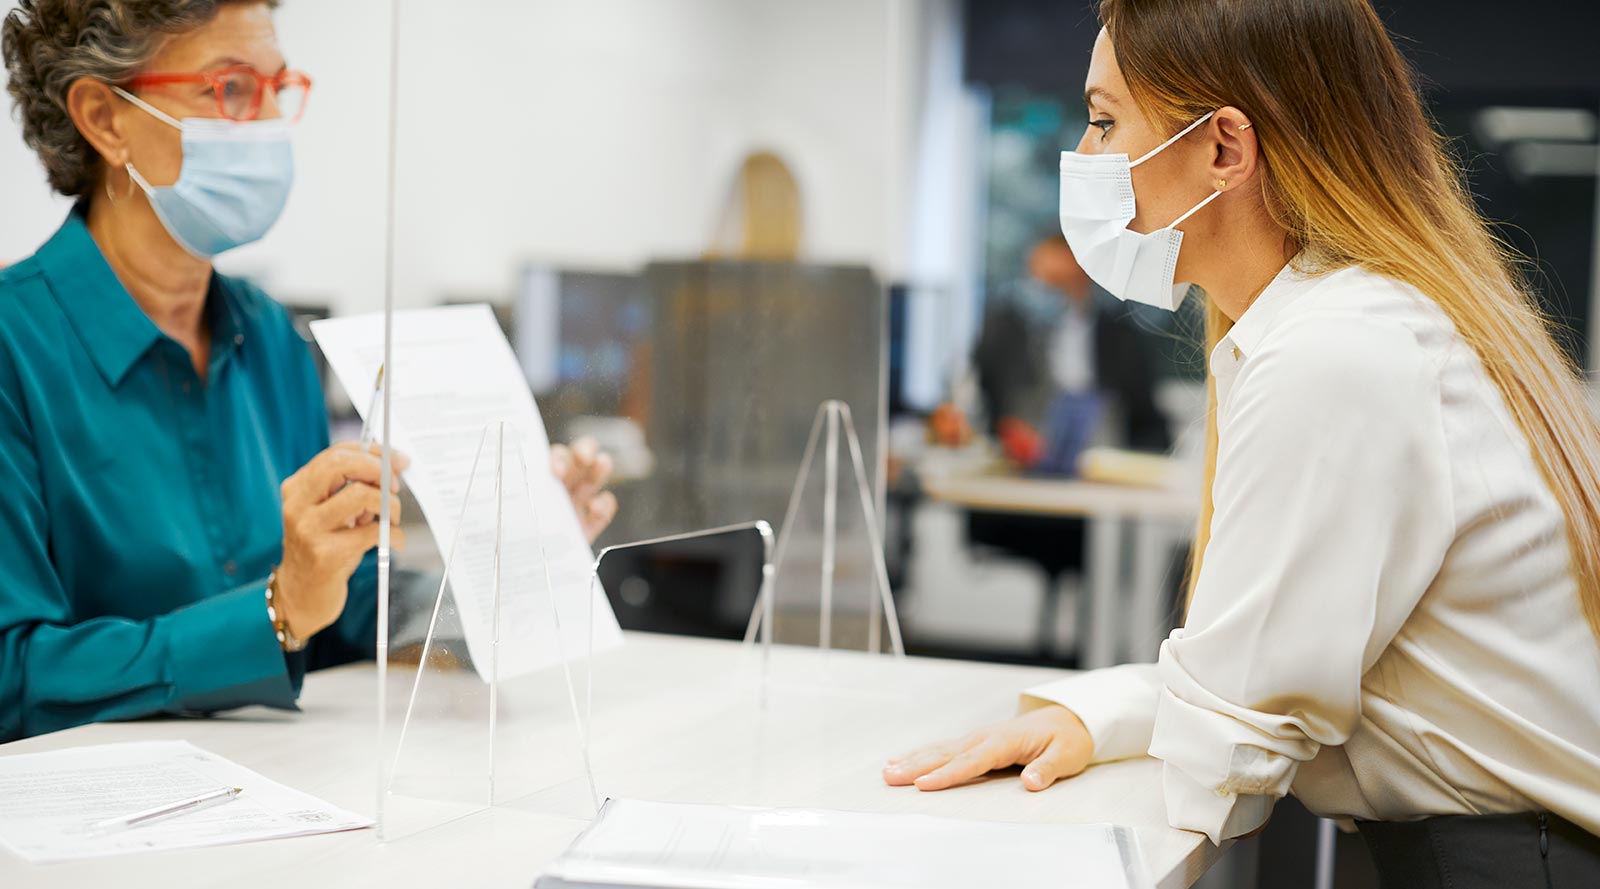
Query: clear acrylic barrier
point(757, 533)
point(484, 675)
point(522, 182)
point(568, 165)
point(557, 166)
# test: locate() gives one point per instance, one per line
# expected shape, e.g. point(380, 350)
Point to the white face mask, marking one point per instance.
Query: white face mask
point(1096, 207)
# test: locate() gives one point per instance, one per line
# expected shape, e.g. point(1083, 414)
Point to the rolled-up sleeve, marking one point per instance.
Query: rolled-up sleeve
point(1333, 512)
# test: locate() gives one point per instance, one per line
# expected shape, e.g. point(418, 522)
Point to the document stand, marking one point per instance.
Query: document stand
point(484, 712)
point(852, 579)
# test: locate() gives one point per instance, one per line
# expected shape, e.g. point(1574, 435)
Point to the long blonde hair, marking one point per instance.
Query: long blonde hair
point(1354, 171)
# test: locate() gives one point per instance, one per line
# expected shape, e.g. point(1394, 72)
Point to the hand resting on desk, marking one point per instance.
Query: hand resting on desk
point(1050, 743)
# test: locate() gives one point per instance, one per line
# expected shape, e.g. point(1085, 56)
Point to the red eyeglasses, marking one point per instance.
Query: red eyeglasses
point(241, 89)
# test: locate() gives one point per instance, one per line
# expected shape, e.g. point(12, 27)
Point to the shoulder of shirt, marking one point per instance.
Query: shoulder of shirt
point(25, 297)
point(22, 286)
point(1352, 333)
point(19, 281)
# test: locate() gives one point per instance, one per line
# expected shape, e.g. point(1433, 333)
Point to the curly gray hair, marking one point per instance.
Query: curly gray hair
point(50, 44)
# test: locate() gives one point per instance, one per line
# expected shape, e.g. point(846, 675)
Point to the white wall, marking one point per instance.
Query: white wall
point(596, 134)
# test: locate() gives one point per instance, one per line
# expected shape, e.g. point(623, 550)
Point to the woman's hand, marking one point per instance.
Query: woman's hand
point(330, 508)
point(585, 470)
point(1050, 743)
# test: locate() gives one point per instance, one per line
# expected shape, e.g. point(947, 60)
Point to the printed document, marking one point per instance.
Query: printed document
point(454, 381)
point(49, 800)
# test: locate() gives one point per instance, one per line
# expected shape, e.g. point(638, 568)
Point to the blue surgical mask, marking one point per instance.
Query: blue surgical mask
point(233, 184)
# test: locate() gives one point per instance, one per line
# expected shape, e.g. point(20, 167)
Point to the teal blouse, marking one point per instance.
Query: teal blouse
point(139, 507)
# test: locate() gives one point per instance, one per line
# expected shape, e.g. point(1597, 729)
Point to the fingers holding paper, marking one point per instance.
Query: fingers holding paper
point(1050, 743)
point(585, 470)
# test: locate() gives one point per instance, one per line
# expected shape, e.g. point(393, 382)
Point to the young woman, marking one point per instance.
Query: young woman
point(1395, 598)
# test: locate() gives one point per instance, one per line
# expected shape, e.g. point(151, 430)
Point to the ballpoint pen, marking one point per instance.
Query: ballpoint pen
point(367, 426)
point(193, 804)
point(372, 409)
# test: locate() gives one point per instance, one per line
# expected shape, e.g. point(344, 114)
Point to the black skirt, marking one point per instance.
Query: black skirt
point(1489, 851)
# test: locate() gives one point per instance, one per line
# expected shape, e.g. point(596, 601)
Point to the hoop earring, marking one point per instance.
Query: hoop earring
point(1243, 127)
point(110, 196)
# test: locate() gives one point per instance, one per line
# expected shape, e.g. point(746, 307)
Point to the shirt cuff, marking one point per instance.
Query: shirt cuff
point(224, 653)
point(1117, 705)
point(1220, 816)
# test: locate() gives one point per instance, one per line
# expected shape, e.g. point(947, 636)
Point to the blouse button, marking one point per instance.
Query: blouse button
point(230, 568)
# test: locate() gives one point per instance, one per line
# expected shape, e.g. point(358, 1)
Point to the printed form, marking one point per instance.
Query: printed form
point(455, 377)
point(48, 801)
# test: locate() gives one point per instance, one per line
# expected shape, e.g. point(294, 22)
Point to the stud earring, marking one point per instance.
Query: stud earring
point(1222, 184)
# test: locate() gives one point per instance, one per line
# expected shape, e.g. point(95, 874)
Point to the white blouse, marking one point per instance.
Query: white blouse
point(1386, 623)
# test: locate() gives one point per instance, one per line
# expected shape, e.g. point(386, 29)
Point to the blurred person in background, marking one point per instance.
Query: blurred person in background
point(176, 534)
point(1060, 371)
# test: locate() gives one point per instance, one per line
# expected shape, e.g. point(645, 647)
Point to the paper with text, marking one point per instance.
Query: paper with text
point(49, 800)
point(455, 376)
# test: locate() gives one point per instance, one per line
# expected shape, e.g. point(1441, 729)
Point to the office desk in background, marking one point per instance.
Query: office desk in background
point(1159, 518)
point(663, 707)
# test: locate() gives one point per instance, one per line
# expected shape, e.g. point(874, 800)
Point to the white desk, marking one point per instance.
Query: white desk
point(1106, 507)
point(668, 711)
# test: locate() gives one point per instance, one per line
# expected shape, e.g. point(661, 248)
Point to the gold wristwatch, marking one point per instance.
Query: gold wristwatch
point(280, 625)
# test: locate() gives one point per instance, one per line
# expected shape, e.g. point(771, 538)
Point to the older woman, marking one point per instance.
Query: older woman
point(176, 535)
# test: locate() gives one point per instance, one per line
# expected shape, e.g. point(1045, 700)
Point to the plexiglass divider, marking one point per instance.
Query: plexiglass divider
point(694, 369)
point(480, 674)
point(759, 527)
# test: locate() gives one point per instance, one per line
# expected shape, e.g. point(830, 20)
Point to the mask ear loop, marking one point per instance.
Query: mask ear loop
point(135, 179)
point(1181, 133)
point(1195, 209)
point(1159, 148)
point(157, 113)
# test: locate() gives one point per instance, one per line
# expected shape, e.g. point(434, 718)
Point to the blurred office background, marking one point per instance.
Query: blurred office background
point(698, 219)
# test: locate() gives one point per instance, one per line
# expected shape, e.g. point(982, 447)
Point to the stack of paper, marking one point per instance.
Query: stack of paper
point(49, 800)
point(673, 846)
